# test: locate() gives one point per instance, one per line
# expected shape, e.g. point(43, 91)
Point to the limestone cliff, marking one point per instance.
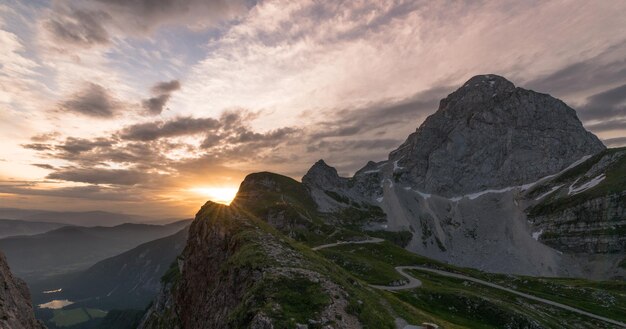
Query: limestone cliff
point(16, 310)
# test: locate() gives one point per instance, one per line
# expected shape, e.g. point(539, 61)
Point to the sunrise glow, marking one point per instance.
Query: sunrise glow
point(223, 195)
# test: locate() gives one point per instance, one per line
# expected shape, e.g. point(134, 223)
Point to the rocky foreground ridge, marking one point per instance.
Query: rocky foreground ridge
point(16, 310)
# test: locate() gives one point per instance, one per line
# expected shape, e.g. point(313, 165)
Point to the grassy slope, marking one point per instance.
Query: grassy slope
point(374, 263)
point(451, 303)
point(615, 182)
point(74, 316)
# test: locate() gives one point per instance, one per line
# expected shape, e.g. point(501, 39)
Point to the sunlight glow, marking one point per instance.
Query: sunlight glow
point(217, 194)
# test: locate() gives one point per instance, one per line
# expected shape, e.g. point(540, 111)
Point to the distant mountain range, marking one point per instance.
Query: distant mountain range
point(74, 248)
point(129, 280)
point(78, 218)
point(13, 227)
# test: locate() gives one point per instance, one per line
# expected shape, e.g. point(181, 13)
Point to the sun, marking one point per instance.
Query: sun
point(223, 195)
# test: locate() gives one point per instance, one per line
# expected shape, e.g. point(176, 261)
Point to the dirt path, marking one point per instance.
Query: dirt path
point(324, 246)
point(415, 283)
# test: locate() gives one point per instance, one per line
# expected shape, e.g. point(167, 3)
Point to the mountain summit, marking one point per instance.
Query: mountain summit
point(491, 134)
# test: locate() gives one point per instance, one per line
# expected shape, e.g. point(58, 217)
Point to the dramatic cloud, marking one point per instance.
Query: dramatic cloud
point(44, 166)
point(102, 176)
point(345, 81)
point(166, 87)
point(176, 127)
point(78, 145)
point(46, 137)
point(83, 28)
point(93, 100)
point(607, 105)
point(615, 142)
point(163, 92)
point(96, 22)
point(616, 124)
point(38, 146)
point(604, 69)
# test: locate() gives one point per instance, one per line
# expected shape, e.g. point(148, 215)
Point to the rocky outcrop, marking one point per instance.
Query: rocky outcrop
point(16, 310)
point(491, 134)
point(234, 273)
point(594, 226)
point(583, 210)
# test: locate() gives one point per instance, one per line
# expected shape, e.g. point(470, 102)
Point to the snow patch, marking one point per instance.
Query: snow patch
point(473, 196)
point(379, 199)
point(595, 181)
point(549, 192)
point(574, 164)
point(538, 234)
point(371, 171)
point(396, 166)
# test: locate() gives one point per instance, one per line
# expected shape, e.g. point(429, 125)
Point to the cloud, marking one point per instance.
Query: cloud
point(166, 87)
point(38, 146)
point(43, 166)
point(604, 69)
point(615, 142)
point(147, 15)
point(163, 92)
point(89, 23)
point(78, 27)
point(607, 105)
point(176, 127)
point(102, 176)
point(78, 145)
point(93, 101)
point(93, 192)
point(608, 125)
point(341, 146)
point(155, 105)
point(46, 137)
point(381, 114)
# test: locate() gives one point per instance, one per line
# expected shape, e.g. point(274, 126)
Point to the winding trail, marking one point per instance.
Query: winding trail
point(340, 243)
point(415, 283)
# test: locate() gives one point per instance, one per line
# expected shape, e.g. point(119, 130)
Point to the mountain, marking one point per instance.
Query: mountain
point(13, 227)
point(240, 269)
point(78, 218)
point(470, 223)
point(75, 248)
point(125, 281)
point(490, 134)
point(460, 183)
point(16, 310)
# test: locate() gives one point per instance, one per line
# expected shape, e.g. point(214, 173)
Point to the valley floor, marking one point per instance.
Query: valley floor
point(408, 280)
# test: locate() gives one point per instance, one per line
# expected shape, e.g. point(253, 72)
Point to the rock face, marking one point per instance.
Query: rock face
point(16, 310)
point(584, 209)
point(464, 184)
point(490, 134)
point(234, 273)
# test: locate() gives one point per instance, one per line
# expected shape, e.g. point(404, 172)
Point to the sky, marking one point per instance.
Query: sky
point(152, 107)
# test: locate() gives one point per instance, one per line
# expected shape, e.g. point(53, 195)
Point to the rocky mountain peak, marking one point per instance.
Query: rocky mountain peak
point(322, 175)
point(478, 91)
point(491, 134)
